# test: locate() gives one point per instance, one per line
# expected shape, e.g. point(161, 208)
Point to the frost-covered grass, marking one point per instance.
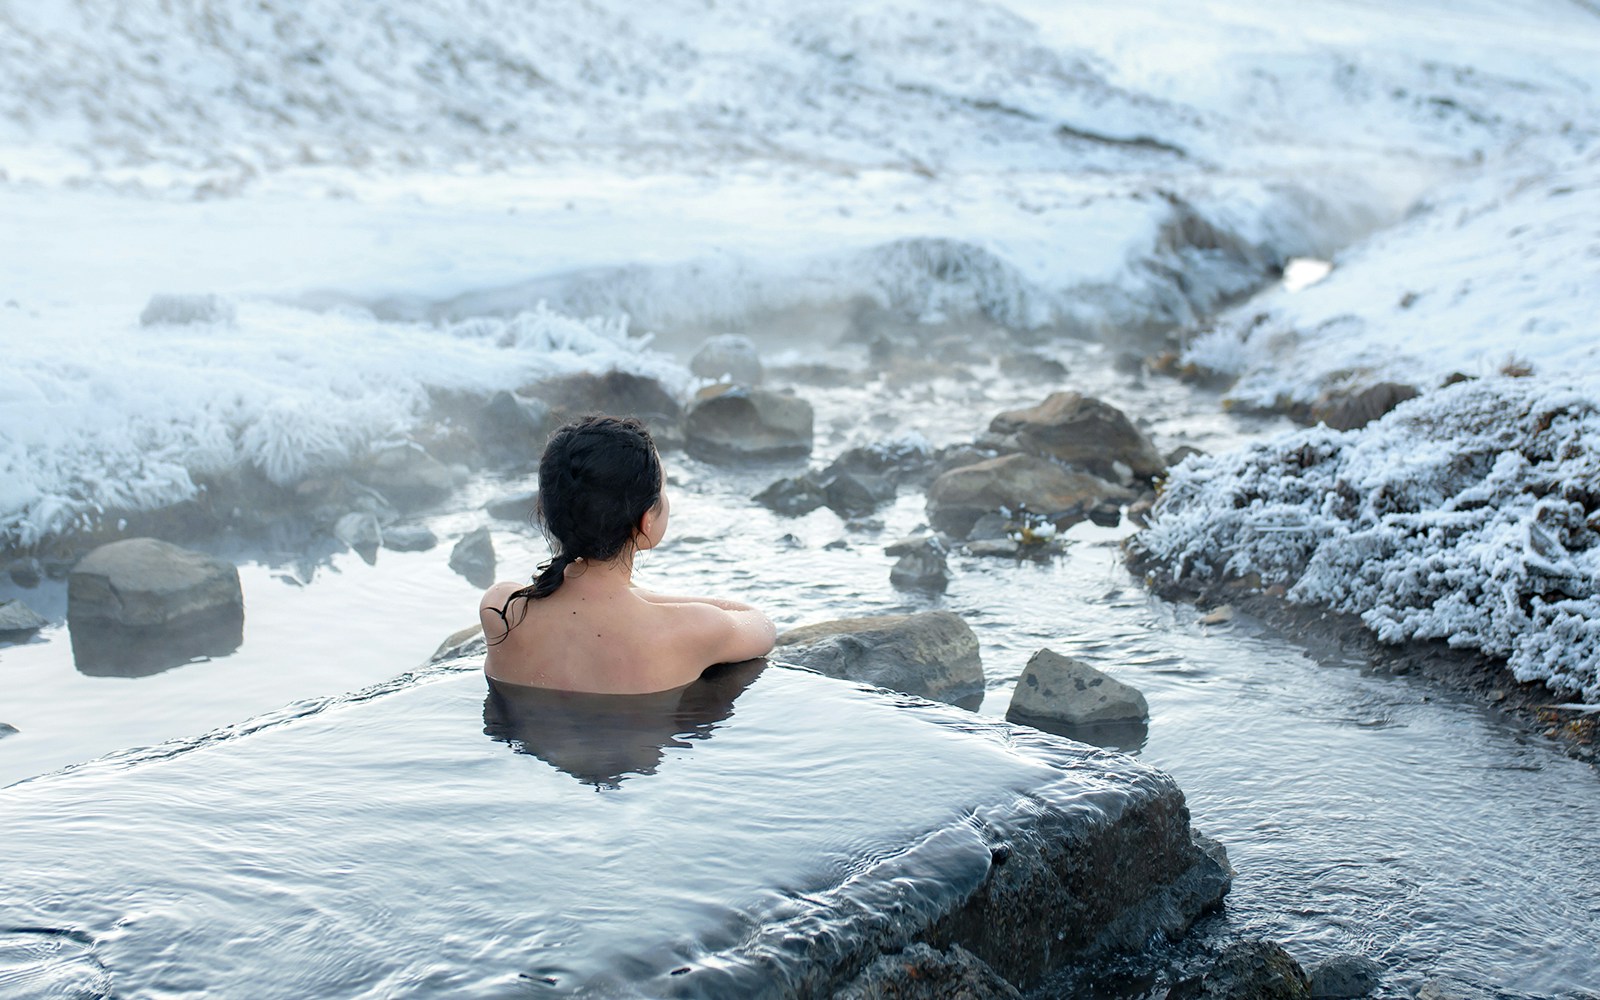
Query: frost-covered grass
point(285, 391)
point(1470, 515)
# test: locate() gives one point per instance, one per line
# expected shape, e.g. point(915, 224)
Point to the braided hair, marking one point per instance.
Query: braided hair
point(599, 476)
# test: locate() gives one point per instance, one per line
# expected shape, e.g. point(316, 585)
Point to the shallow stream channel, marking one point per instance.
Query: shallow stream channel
point(1365, 813)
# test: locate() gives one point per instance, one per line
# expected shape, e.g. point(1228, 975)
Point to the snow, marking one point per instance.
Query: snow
point(1471, 514)
point(437, 194)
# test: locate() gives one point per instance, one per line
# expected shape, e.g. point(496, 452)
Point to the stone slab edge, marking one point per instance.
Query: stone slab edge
point(1099, 860)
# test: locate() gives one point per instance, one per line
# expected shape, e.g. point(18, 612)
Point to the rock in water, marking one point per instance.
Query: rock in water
point(1078, 429)
point(731, 423)
point(922, 567)
point(359, 530)
point(7, 729)
point(143, 581)
point(730, 357)
point(408, 475)
point(1062, 690)
point(1345, 977)
point(17, 620)
point(619, 394)
point(933, 654)
point(410, 538)
point(473, 558)
point(516, 507)
point(792, 496)
point(182, 309)
point(852, 494)
point(511, 430)
point(25, 572)
point(1248, 970)
point(958, 498)
point(921, 973)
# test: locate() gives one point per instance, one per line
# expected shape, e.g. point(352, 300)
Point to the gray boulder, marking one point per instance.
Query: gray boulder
point(922, 973)
point(1345, 411)
point(513, 430)
point(1248, 970)
point(958, 498)
point(143, 581)
point(25, 571)
point(1344, 977)
point(922, 567)
point(1059, 689)
point(1080, 430)
point(410, 538)
point(473, 558)
point(618, 394)
point(17, 620)
point(933, 654)
point(516, 507)
point(852, 494)
point(793, 496)
point(408, 475)
point(359, 530)
point(729, 357)
point(184, 309)
point(732, 423)
point(7, 729)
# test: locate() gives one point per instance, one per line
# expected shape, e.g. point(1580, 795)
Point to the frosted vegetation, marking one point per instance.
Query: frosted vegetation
point(397, 200)
point(1470, 515)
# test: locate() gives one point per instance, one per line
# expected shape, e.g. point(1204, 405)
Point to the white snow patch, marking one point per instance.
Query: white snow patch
point(1470, 515)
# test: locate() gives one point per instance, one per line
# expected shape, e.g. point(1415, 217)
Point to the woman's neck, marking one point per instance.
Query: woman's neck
point(614, 575)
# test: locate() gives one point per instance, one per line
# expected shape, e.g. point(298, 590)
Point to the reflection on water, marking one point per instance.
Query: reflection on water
point(1129, 737)
point(106, 649)
point(602, 739)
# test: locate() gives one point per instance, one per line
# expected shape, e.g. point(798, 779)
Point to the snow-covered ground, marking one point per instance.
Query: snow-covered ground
point(450, 194)
point(1471, 514)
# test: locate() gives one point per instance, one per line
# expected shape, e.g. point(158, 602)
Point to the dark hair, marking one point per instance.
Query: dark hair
point(598, 477)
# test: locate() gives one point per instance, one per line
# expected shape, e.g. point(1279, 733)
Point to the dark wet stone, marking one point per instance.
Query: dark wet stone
point(144, 581)
point(992, 526)
point(851, 494)
point(1453, 988)
point(512, 430)
point(1064, 690)
point(729, 423)
point(358, 530)
point(408, 475)
point(912, 543)
point(893, 462)
point(1080, 430)
point(17, 620)
point(792, 496)
point(922, 973)
point(923, 567)
point(1181, 452)
point(7, 729)
point(1128, 363)
point(1106, 515)
point(933, 654)
point(1344, 977)
point(1248, 970)
point(409, 538)
point(473, 558)
point(1344, 411)
point(728, 357)
point(25, 572)
point(516, 507)
point(957, 499)
point(618, 394)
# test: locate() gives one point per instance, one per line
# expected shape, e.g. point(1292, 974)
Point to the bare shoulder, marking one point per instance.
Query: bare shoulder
point(493, 603)
point(719, 635)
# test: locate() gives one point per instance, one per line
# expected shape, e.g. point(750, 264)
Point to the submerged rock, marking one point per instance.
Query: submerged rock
point(144, 582)
point(1248, 970)
point(958, 498)
point(1062, 690)
point(922, 973)
point(17, 620)
point(1080, 430)
point(728, 356)
point(731, 423)
point(933, 654)
point(473, 558)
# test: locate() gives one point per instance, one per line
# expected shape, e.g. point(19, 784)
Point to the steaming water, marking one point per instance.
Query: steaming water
point(1364, 813)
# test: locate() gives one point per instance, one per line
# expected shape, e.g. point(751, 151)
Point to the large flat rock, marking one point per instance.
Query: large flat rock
point(763, 834)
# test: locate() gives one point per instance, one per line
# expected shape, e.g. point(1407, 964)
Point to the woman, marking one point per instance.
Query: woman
point(582, 625)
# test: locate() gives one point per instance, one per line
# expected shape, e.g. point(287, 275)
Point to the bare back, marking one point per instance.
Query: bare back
point(594, 636)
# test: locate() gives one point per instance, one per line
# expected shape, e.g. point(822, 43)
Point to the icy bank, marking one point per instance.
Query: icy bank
point(1499, 273)
point(1470, 515)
